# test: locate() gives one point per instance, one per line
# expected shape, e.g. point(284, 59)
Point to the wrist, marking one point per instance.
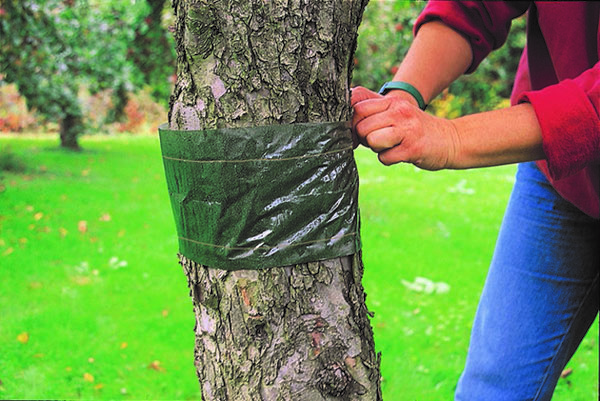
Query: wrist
point(401, 86)
point(404, 96)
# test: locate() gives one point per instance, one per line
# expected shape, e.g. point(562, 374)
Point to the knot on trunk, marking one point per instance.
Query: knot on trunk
point(333, 380)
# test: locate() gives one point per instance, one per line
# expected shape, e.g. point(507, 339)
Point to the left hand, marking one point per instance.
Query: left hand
point(395, 128)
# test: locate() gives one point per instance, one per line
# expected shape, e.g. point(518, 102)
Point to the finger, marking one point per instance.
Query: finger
point(382, 139)
point(368, 108)
point(371, 106)
point(359, 93)
point(377, 121)
point(397, 154)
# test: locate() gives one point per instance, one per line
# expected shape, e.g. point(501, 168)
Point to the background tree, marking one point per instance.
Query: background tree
point(49, 48)
point(145, 48)
point(37, 57)
point(287, 333)
point(152, 51)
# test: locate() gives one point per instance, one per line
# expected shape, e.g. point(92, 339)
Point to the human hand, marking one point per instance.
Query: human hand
point(395, 128)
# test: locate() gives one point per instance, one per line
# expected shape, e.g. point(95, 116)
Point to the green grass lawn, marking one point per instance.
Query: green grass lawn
point(93, 304)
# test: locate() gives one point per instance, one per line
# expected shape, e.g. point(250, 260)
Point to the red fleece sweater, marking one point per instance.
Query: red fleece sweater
point(559, 74)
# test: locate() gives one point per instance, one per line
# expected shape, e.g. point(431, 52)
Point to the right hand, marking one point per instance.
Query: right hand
point(399, 132)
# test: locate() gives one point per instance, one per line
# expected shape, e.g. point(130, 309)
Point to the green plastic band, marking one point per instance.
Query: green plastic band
point(406, 87)
point(259, 197)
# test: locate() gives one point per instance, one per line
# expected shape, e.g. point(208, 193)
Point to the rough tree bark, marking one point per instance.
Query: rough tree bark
point(287, 333)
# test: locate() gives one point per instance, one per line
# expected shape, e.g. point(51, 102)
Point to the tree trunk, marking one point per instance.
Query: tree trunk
point(70, 127)
point(119, 101)
point(287, 333)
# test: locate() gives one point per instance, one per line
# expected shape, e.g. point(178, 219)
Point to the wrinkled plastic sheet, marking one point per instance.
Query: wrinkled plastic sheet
point(260, 197)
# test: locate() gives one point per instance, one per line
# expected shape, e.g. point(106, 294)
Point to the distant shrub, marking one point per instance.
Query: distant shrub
point(9, 161)
point(142, 112)
point(14, 116)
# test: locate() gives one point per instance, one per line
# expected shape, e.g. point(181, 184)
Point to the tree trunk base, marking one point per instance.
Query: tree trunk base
point(297, 333)
point(70, 127)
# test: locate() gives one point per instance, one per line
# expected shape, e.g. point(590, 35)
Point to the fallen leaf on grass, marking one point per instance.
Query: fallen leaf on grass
point(121, 233)
point(86, 172)
point(22, 241)
point(123, 345)
point(91, 360)
point(29, 208)
point(105, 217)
point(31, 226)
point(8, 251)
point(565, 373)
point(165, 313)
point(81, 280)
point(38, 355)
point(82, 226)
point(35, 285)
point(88, 377)
point(63, 231)
point(99, 386)
point(38, 215)
point(68, 368)
point(23, 338)
point(155, 365)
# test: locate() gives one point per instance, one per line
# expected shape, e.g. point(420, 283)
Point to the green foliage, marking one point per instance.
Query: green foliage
point(153, 51)
point(385, 36)
point(129, 47)
point(51, 48)
point(37, 56)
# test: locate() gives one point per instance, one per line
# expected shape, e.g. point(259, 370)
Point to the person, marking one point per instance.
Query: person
point(541, 294)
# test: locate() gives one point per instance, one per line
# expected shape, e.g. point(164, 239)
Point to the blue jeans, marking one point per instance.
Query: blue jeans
point(540, 297)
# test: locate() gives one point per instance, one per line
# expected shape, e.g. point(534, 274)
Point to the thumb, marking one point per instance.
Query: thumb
point(359, 93)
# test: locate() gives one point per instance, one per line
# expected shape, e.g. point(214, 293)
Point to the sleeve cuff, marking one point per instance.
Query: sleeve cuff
point(570, 127)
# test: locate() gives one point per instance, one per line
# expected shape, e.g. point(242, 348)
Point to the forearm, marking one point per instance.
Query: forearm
point(437, 56)
point(505, 136)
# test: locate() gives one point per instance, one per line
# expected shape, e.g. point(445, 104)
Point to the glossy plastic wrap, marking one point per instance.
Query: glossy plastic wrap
point(253, 198)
